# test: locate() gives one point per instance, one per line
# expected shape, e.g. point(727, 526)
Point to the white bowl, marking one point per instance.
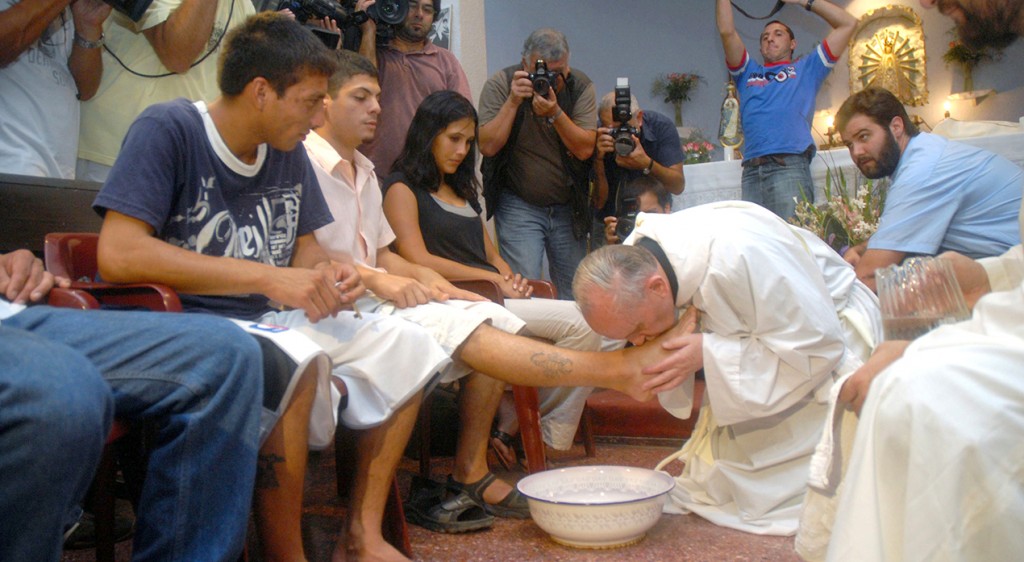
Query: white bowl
point(596, 506)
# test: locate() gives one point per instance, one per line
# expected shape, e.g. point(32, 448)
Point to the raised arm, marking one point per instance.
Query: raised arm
point(23, 23)
point(86, 64)
point(579, 140)
point(842, 22)
point(183, 36)
point(731, 42)
point(368, 39)
point(494, 134)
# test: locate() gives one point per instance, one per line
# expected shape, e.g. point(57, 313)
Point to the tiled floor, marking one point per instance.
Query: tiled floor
point(675, 537)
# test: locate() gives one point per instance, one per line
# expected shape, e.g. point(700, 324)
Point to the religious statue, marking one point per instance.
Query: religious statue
point(888, 50)
point(730, 129)
point(891, 65)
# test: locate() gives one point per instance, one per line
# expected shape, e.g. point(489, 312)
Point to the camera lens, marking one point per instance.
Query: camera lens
point(624, 144)
point(541, 85)
point(389, 12)
point(624, 226)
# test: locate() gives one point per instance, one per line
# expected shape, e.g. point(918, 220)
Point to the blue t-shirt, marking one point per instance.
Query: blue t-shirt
point(946, 195)
point(188, 186)
point(777, 101)
point(660, 140)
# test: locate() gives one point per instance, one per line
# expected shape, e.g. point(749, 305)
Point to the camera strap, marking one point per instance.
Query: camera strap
point(778, 6)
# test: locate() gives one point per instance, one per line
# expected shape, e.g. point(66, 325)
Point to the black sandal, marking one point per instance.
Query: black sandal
point(513, 506)
point(459, 513)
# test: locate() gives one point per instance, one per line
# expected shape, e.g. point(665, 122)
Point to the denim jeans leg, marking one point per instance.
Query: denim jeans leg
point(521, 229)
point(565, 251)
point(778, 187)
point(55, 412)
point(200, 377)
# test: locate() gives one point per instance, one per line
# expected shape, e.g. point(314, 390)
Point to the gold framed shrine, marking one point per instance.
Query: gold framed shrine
point(887, 50)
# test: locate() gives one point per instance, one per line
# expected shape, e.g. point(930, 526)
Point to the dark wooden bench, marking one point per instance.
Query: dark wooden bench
point(30, 207)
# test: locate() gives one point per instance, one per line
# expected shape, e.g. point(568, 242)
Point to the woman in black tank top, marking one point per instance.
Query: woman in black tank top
point(431, 199)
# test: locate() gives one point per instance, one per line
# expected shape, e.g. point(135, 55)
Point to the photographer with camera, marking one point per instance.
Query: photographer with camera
point(169, 52)
point(632, 143)
point(49, 60)
point(643, 194)
point(537, 135)
point(411, 68)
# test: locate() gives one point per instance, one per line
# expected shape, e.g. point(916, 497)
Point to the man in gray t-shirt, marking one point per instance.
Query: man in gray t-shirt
point(543, 145)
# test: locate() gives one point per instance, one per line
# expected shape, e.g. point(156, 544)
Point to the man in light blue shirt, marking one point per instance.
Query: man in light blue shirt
point(944, 195)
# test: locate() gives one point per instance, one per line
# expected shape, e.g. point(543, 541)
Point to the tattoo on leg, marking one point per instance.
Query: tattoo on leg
point(266, 474)
point(553, 364)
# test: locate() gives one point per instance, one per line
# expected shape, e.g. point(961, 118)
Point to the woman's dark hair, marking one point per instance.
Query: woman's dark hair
point(416, 161)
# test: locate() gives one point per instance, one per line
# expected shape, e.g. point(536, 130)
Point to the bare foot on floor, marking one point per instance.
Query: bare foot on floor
point(350, 549)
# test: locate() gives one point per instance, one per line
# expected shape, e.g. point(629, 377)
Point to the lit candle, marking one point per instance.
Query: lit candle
point(946, 107)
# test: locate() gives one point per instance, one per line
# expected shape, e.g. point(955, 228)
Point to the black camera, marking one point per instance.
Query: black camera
point(305, 10)
point(622, 112)
point(131, 8)
point(541, 78)
point(625, 216)
point(388, 14)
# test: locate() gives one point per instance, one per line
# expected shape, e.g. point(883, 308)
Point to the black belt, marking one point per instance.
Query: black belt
point(762, 160)
point(775, 158)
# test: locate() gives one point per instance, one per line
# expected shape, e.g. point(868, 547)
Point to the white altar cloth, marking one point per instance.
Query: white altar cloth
point(719, 181)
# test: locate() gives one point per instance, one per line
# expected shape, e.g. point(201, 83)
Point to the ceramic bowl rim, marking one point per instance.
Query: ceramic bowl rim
point(667, 479)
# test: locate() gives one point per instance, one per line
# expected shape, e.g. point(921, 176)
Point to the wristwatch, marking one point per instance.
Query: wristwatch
point(86, 44)
point(647, 170)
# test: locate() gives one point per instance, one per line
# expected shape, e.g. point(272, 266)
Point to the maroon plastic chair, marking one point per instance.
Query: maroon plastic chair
point(73, 255)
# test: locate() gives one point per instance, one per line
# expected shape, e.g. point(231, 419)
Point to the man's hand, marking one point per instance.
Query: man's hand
point(521, 89)
point(636, 160)
point(404, 292)
point(442, 289)
point(545, 106)
point(970, 275)
point(687, 355)
point(89, 16)
point(320, 292)
point(605, 143)
point(855, 389)
point(23, 278)
point(609, 230)
point(852, 255)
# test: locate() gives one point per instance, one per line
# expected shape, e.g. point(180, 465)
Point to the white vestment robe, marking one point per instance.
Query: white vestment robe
point(783, 316)
point(937, 469)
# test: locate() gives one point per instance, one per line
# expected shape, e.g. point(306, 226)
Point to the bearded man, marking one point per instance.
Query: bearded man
point(944, 195)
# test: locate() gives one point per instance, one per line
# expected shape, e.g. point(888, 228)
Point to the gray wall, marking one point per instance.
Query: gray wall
point(644, 38)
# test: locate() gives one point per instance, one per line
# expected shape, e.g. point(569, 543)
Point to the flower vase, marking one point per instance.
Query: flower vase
point(968, 71)
point(678, 106)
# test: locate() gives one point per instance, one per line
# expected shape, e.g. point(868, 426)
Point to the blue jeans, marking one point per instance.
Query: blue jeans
point(199, 377)
point(777, 187)
point(526, 231)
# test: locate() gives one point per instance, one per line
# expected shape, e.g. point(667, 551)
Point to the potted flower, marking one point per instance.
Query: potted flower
point(843, 220)
point(676, 88)
point(698, 151)
point(966, 58)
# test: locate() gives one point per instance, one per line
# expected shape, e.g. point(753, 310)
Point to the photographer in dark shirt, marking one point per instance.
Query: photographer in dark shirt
point(657, 153)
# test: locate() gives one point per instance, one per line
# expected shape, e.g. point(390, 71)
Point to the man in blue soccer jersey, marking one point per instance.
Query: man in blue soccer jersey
point(777, 101)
